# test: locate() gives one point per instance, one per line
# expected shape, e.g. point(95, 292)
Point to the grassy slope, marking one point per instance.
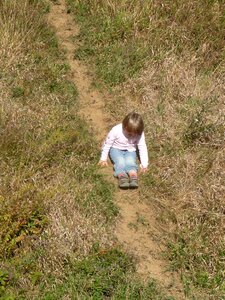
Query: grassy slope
point(170, 57)
point(55, 208)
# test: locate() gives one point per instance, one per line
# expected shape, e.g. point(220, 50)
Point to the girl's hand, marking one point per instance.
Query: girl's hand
point(143, 170)
point(103, 163)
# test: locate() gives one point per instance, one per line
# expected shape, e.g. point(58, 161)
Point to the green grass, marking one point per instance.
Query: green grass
point(104, 274)
point(117, 62)
point(184, 256)
point(121, 37)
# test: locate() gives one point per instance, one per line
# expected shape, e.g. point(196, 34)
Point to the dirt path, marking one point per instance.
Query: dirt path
point(137, 228)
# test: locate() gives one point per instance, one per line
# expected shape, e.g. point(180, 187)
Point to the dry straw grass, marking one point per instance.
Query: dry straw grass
point(71, 233)
point(184, 117)
point(17, 31)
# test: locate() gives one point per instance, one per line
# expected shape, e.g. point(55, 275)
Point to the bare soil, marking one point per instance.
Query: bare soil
point(137, 229)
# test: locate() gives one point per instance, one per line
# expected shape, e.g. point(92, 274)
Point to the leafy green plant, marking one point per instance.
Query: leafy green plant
point(18, 92)
point(17, 225)
point(4, 278)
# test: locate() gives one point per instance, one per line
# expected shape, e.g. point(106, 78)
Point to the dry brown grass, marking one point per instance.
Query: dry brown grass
point(184, 111)
point(71, 234)
point(17, 32)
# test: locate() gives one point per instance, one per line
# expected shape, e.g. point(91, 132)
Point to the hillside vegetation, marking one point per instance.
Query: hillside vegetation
point(165, 59)
point(55, 208)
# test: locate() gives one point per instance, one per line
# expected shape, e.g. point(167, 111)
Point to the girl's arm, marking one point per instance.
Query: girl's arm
point(143, 152)
point(109, 141)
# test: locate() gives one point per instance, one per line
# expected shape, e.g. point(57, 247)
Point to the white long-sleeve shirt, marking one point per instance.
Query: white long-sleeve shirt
point(117, 139)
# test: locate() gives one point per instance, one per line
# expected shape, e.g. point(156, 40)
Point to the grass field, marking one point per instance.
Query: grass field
point(166, 60)
point(55, 208)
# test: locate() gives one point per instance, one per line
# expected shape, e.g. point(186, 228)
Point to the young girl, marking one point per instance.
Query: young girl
point(122, 143)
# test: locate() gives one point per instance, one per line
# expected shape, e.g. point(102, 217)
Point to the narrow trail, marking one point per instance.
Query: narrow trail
point(136, 228)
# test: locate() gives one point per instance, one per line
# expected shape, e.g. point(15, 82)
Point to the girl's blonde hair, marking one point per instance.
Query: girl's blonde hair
point(133, 123)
